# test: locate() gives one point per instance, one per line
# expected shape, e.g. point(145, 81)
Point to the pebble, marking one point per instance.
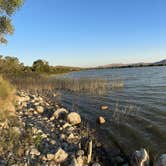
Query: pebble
point(40, 109)
point(50, 157)
point(35, 152)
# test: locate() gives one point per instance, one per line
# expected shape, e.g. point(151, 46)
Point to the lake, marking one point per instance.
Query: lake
point(137, 112)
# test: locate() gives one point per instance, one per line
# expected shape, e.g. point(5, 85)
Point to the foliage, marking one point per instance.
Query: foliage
point(7, 8)
point(11, 66)
point(41, 66)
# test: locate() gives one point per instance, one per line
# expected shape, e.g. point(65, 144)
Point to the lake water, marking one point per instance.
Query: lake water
point(137, 112)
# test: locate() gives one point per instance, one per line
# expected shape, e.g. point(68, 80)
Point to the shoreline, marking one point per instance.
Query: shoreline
point(51, 135)
point(40, 114)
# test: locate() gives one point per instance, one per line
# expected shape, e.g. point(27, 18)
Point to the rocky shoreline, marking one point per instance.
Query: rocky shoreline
point(51, 135)
point(59, 137)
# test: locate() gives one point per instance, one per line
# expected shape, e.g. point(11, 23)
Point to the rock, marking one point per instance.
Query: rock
point(66, 125)
point(50, 157)
point(70, 129)
point(53, 142)
point(44, 135)
point(60, 112)
point(96, 164)
point(71, 136)
point(35, 152)
point(74, 118)
point(80, 153)
point(62, 136)
point(77, 162)
point(101, 120)
point(161, 161)
point(52, 118)
point(60, 156)
point(119, 159)
point(104, 107)
point(52, 163)
point(40, 109)
point(140, 158)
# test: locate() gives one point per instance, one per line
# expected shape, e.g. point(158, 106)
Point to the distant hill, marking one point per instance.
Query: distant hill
point(162, 62)
point(141, 64)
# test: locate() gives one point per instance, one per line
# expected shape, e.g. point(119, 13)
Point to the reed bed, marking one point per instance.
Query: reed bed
point(117, 83)
point(40, 83)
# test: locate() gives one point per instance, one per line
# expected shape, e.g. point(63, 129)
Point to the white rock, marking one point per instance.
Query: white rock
point(66, 125)
point(74, 118)
point(53, 142)
point(50, 157)
point(44, 135)
point(40, 109)
point(60, 156)
point(59, 111)
point(101, 120)
point(35, 152)
point(71, 136)
point(161, 161)
point(52, 118)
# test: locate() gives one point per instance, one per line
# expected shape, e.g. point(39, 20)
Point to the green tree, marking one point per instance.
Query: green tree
point(7, 8)
point(41, 66)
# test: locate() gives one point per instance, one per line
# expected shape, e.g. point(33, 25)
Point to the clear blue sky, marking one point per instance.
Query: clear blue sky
point(89, 32)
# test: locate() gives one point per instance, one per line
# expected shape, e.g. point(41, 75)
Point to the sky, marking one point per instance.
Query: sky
point(88, 32)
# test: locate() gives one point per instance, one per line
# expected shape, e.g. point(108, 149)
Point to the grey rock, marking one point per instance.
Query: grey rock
point(161, 161)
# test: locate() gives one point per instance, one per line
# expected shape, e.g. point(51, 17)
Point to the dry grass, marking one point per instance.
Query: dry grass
point(40, 83)
point(6, 99)
point(117, 84)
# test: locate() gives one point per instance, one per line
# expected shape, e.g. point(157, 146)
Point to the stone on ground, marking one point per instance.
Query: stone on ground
point(59, 112)
point(60, 156)
point(40, 109)
point(74, 118)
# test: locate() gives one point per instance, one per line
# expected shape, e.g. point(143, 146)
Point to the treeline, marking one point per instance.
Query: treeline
point(12, 65)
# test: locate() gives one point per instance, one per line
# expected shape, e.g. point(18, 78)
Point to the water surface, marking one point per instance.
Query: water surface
point(137, 113)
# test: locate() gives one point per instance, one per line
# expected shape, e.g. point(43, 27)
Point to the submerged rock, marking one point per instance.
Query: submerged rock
point(161, 161)
point(101, 120)
point(74, 118)
point(104, 107)
point(140, 158)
